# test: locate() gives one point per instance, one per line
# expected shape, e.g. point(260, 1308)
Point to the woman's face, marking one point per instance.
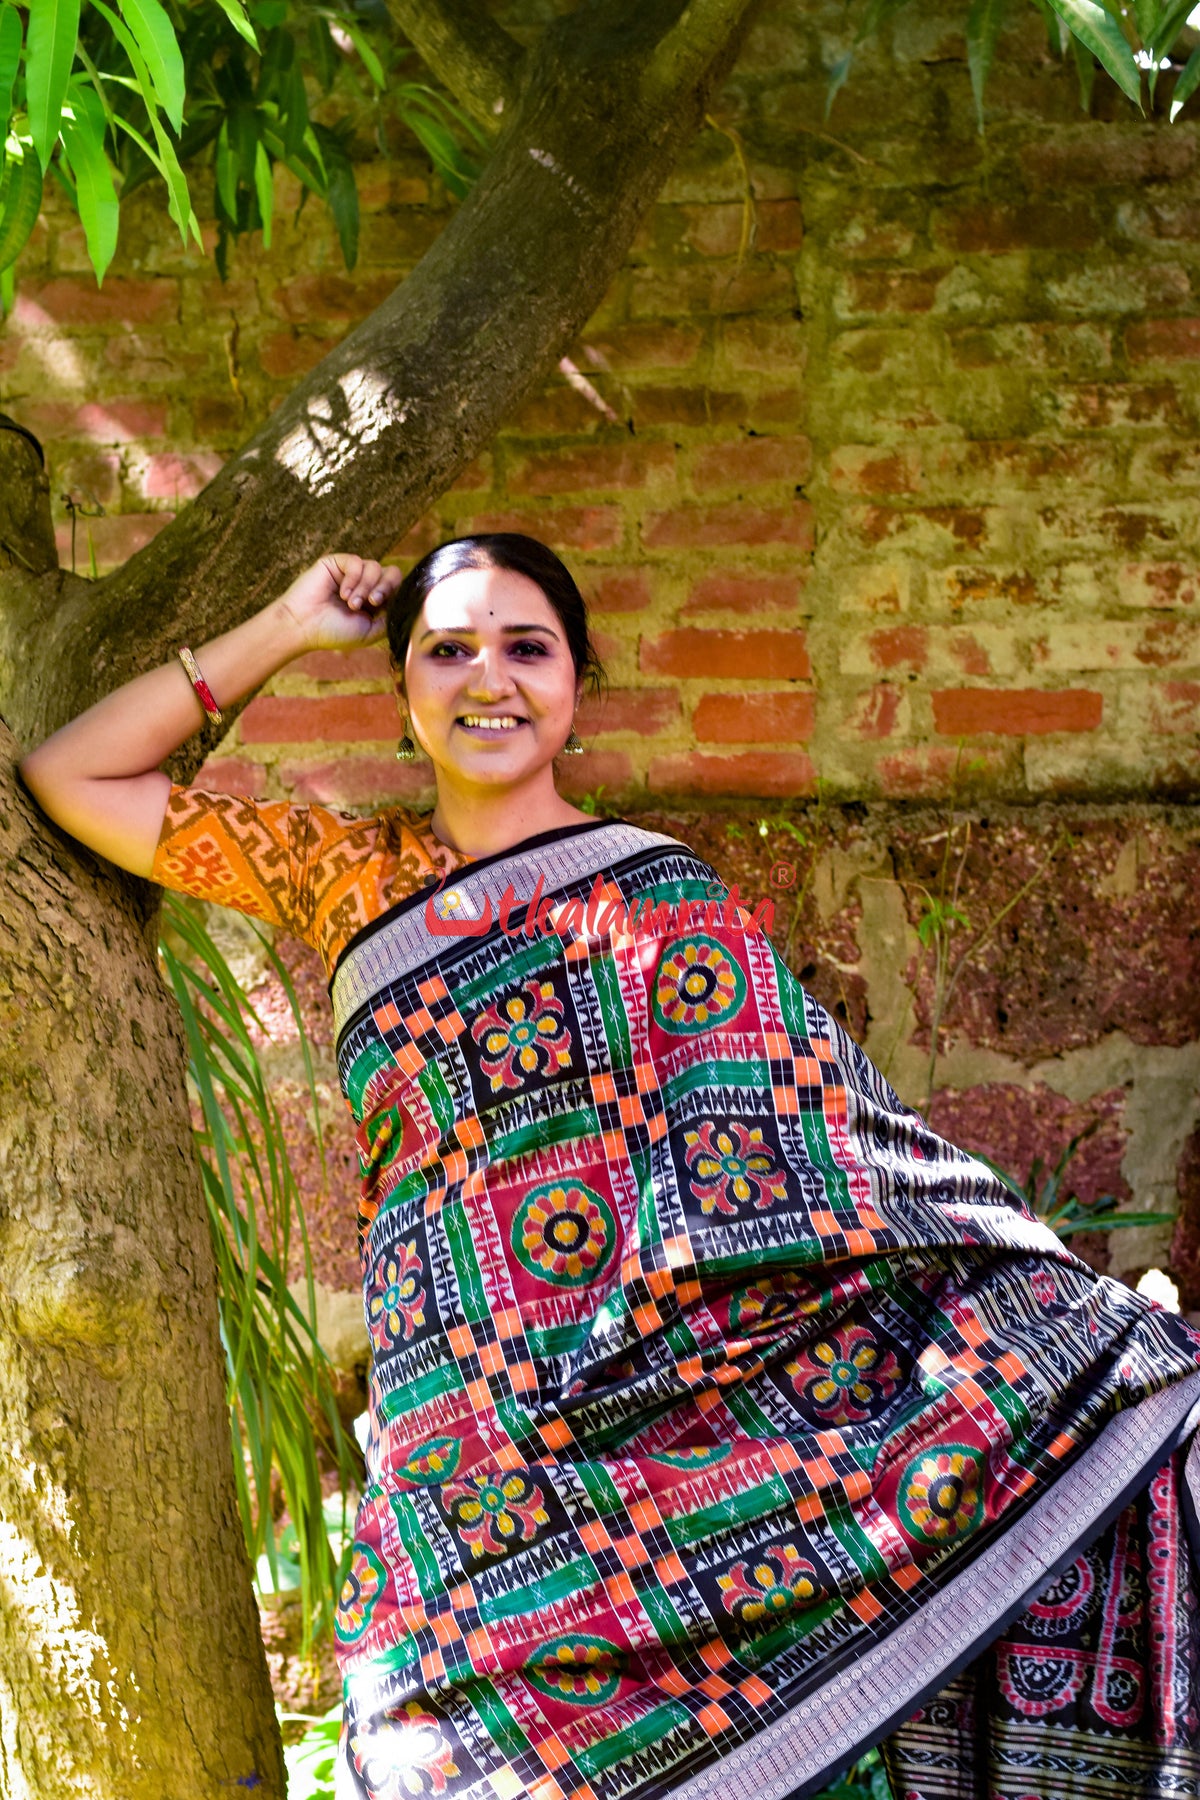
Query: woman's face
point(489, 684)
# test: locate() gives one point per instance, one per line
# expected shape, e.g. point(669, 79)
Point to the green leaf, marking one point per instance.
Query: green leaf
point(8, 288)
point(1145, 17)
point(323, 53)
point(1085, 68)
point(95, 192)
point(1100, 33)
point(49, 55)
point(226, 174)
point(1171, 22)
point(179, 203)
point(264, 188)
point(22, 203)
point(341, 193)
point(294, 106)
point(985, 21)
point(363, 45)
point(236, 14)
point(1186, 86)
point(160, 52)
point(10, 57)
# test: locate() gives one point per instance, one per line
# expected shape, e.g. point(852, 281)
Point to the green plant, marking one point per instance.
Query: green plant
point(281, 1400)
point(593, 803)
point(864, 1780)
point(310, 1761)
point(1066, 1214)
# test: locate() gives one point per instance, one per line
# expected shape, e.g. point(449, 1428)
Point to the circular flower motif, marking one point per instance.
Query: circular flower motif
point(395, 1298)
point(365, 1581)
point(1045, 1288)
point(583, 1670)
point(765, 1299)
point(404, 1757)
point(846, 1377)
point(780, 1583)
point(433, 1462)
point(697, 984)
point(941, 1494)
point(518, 1033)
point(731, 1166)
point(564, 1233)
point(491, 1511)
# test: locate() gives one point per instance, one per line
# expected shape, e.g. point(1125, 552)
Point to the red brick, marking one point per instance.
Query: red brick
point(729, 592)
point(232, 775)
point(603, 466)
point(1107, 153)
point(1158, 584)
point(564, 527)
point(1015, 712)
point(737, 522)
point(619, 590)
point(863, 469)
point(561, 411)
point(893, 290)
point(644, 346)
point(580, 775)
point(331, 299)
point(121, 302)
point(899, 647)
point(753, 462)
point(476, 476)
point(764, 345)
point(644, 710)
point(332, 719)
point(1096, 405)
point(1000, 227)
point(114, 538)
point(286, 353)
point(1164, 340)
point(381, 184)
point(755, 773)
point(1175, 707)
point(930, 772)
point(681, 405)
point(360, 781)
point(1165, 641)
point(744, 655)
point(215, 414)
point(874, 713)
point(179, 478)
point(420, 538)
point(716, 230)
point(371, 664)
point(104, 421)
point(763, 718)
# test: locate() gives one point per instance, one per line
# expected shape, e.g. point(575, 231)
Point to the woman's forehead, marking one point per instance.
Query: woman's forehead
point(486, 599)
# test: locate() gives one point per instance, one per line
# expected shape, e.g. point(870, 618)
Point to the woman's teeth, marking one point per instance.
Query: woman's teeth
point(505, 724)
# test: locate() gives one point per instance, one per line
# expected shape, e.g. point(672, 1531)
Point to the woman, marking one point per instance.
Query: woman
point(722, 1416)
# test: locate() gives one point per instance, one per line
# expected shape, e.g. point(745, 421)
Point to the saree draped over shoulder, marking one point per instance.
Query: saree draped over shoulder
point(721, 1414)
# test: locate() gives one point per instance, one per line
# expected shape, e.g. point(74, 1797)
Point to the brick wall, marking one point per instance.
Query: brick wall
point(900, 502)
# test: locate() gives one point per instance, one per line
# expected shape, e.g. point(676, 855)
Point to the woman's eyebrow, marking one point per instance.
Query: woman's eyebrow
point(469, 631)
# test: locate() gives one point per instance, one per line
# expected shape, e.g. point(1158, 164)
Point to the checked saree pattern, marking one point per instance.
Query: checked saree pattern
point(704, 1373)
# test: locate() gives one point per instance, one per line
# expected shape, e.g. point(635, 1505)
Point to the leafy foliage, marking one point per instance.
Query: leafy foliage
point(104, 97)
point(281, 1400)
point(1134, 44)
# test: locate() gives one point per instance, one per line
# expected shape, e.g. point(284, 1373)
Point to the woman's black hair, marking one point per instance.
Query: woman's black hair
point(497, 550)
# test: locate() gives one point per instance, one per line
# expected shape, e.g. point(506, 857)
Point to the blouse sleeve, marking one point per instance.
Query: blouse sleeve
point(252, 855)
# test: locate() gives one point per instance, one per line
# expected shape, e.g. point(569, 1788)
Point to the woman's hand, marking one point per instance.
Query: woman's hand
point(340, 602)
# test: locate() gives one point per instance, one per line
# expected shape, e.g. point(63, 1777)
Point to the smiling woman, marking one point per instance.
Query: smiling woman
point(724, 1420)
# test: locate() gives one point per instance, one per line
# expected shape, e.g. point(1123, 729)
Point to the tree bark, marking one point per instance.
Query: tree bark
point(130, 1666)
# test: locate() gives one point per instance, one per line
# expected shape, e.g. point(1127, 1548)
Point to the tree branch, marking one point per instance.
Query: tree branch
point(476, 58)
point(685, 51)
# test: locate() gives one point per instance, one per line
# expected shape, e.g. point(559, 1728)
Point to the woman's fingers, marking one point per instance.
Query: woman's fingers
point(365, 580)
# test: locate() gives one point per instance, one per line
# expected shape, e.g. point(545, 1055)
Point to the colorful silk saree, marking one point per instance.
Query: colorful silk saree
point(722, 1416)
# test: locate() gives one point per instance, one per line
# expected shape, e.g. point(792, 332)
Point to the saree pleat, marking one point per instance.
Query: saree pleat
point(720, 1412)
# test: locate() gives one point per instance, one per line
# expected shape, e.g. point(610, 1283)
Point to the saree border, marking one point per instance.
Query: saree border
point(399, 941)
point(797, 1755)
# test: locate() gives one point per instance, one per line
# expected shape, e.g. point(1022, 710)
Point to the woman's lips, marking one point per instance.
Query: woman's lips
point(491, 731)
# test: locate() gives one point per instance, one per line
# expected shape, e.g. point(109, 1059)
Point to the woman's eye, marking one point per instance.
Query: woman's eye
point(530, 644)
point(438, 649)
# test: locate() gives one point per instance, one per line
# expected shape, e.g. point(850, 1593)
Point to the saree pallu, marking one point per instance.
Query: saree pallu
point(721, 1414)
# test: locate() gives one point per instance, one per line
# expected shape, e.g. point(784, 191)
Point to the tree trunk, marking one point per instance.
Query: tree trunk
point(130, 1666)
point(130, 1660)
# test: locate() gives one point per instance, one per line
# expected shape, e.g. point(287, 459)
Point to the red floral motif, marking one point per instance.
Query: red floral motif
point(846, 1377)
point(529, 1028)
point(732, 1166)
point(491, 1511)
point(1045, 1287)
point(395, 1298)
point(779, 1583)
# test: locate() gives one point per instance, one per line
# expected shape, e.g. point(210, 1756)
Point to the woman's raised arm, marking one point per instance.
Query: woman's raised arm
point(99, 777)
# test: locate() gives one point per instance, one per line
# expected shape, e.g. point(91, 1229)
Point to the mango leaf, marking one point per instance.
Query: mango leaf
point(294, 107)
point(225, 172)
point(837, 80)
point(179, 203)
point(1186, 86)
point(341, 193)
point(8, 289)
point(1085, 68)
point(324, 55)
point(95, 192)
point(160, 52)
point(1145, 17)
point(1099, 32)
point(236, 14)
point(22, 203)
point(49, 55)
point(10, 57)
point(985, 21)
point(362, 44)
point(264, 189)
point(1171, 22)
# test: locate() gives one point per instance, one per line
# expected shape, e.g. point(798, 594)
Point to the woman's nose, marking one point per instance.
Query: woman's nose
point(489, 675)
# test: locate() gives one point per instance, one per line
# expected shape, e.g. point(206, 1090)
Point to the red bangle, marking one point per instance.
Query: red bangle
point(203, 692)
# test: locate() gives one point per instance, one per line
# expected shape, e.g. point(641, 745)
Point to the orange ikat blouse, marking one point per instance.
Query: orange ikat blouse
point(319, 874)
